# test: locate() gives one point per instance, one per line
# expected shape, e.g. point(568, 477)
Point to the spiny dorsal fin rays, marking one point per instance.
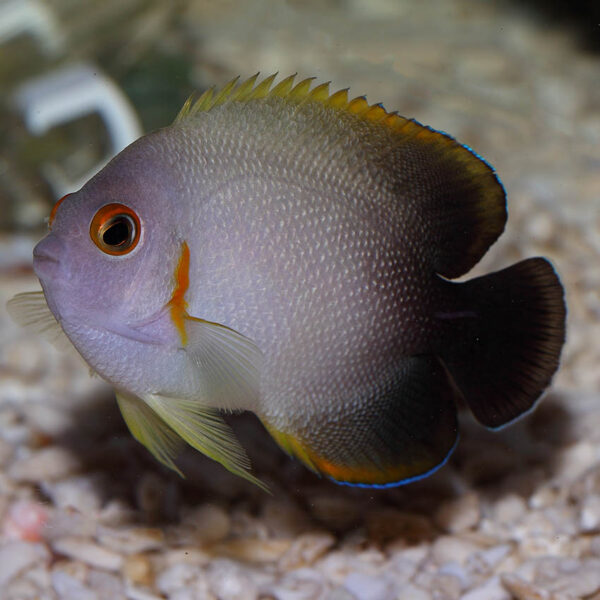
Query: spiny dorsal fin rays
point(242, 91)
point(222, 95)
point(300, 91)
point(339, 99)
point(320, 93)
point(282, 89)
point(262, 89)
point(298, 94)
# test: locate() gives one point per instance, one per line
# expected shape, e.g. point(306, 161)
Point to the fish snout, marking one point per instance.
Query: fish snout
point(46, 257)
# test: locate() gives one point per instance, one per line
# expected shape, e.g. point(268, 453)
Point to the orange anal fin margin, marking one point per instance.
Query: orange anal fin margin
point(400, 431)
point(365, 475)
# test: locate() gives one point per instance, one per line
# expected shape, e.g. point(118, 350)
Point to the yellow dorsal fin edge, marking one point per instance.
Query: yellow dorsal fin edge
point(303, 91)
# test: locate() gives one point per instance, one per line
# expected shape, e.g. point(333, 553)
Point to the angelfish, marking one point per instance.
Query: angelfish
point(288, 251)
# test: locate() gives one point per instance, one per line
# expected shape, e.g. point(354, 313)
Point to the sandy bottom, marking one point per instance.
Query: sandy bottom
point(86, 513)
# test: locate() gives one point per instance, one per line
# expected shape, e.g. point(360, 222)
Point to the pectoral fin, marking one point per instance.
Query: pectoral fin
point(405, 431)
point(227, 364)
point(30, 311)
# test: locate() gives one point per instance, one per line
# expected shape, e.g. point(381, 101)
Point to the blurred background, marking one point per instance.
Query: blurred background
point(473, 69)
point(518, 81)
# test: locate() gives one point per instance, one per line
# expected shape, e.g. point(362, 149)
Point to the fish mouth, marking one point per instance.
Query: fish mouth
point(45, 257)
point(42, 256)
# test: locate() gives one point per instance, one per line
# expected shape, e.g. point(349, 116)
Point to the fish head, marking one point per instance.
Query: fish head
point(108, 260)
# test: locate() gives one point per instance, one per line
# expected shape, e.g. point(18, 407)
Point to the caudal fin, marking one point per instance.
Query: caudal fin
point(504, 355)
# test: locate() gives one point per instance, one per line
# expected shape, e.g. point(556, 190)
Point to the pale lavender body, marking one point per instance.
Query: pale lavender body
point(298, 239)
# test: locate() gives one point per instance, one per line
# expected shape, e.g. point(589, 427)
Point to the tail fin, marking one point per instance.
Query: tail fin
point(504, 357)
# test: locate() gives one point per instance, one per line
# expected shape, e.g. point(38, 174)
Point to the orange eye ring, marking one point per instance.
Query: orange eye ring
point(115, 229)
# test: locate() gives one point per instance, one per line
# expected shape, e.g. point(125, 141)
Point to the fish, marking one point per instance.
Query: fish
point(289, 251)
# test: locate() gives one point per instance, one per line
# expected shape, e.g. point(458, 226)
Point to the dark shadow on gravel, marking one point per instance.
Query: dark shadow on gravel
point(493, 464)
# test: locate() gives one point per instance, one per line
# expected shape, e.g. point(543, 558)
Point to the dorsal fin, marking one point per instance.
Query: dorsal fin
point(303, 91)
point(464, 209)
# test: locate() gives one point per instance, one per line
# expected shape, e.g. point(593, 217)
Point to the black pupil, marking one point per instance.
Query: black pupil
point(118, 232)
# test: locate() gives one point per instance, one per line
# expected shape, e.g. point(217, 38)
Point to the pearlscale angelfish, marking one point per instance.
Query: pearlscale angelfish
point(287, 251)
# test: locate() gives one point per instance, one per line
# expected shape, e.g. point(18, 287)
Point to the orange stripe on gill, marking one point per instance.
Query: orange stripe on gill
point(177, 304)
point(54, 209)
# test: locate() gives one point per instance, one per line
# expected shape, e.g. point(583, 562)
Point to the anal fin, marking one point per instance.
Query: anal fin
point(403, 432)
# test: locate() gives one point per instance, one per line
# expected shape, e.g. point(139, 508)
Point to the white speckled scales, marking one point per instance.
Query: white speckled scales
point(298, 243)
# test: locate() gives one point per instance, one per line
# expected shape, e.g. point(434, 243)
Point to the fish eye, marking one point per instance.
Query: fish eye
point(115, 229)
